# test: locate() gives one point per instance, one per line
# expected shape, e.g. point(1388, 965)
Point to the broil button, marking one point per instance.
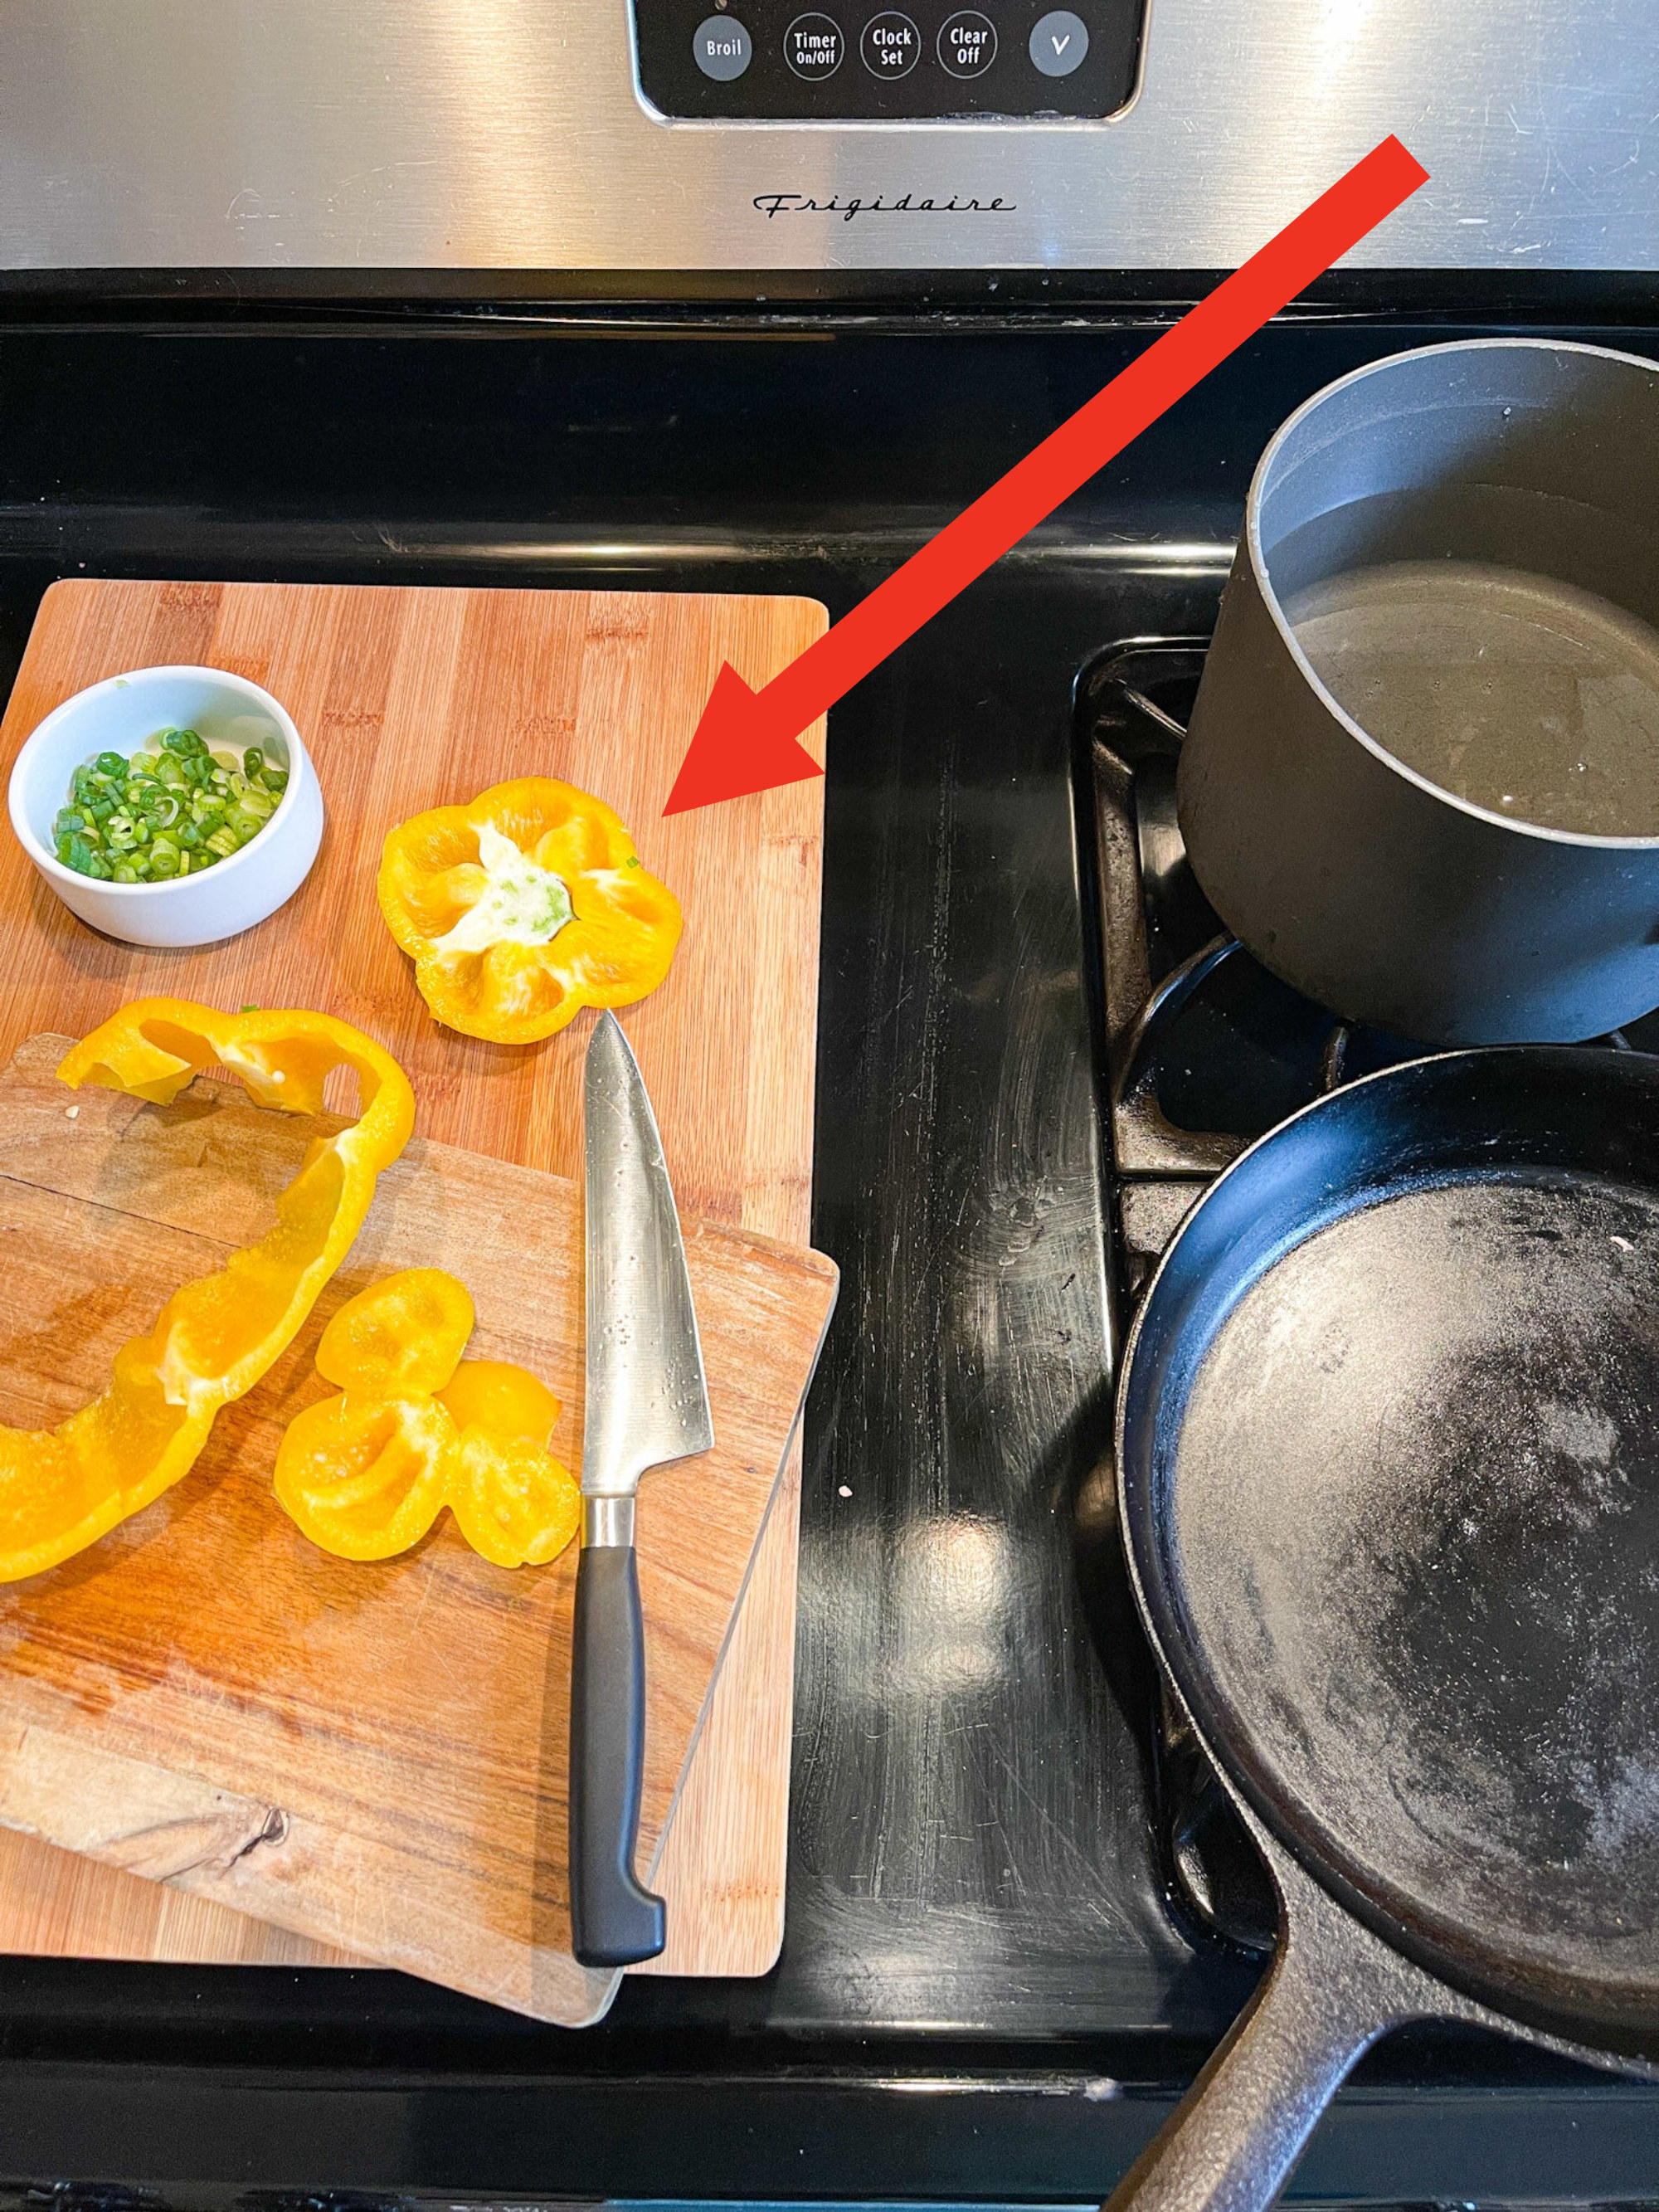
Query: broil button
point(891, 45)
point(813, 47)
point(722, 48)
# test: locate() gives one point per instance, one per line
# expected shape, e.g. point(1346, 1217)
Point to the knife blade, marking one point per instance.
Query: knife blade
point(646, 1404)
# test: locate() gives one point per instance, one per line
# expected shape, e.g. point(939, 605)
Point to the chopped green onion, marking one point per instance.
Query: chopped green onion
point(173, 809)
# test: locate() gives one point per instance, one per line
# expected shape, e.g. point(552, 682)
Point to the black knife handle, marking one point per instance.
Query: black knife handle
point(613, 1922)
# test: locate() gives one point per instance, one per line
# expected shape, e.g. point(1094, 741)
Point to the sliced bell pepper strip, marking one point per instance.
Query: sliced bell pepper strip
point(61, 1489)
point(525, 906)
point(417, 1428)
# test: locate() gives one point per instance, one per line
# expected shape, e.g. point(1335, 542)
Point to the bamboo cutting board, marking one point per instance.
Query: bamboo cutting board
point(407, 698)
point(373, 1756)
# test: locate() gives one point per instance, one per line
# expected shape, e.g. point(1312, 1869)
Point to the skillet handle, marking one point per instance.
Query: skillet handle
point(1331, 1991)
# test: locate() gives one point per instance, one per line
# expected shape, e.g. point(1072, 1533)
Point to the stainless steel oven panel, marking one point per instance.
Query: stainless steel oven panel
point(510, 134)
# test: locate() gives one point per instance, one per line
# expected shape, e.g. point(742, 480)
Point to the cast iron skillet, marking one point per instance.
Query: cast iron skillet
point(1388, 1468)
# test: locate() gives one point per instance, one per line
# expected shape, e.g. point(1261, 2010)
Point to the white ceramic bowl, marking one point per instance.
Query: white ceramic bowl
point(123, 714)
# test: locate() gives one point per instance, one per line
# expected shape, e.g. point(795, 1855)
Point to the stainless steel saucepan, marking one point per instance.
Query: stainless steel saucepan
point(1421, 780)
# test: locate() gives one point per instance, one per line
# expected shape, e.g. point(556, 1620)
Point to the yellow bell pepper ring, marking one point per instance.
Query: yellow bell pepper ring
point(525, 906)
point(417, 1428)
point(365, 1478)
point(513, 1501)
point(401, 1337)
point(489, 1394)
point(61, 1489)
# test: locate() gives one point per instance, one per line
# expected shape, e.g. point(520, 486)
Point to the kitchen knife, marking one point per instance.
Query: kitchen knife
point(647, 1403)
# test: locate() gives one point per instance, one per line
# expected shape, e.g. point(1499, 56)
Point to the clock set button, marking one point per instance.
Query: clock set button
point(890, 45)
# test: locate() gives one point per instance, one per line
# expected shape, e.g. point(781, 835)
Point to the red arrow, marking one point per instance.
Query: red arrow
point(746, 740)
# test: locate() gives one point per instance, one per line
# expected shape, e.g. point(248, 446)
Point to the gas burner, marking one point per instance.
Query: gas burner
point(1206, 1050)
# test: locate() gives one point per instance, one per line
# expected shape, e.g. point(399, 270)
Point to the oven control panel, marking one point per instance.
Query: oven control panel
point(765, 61)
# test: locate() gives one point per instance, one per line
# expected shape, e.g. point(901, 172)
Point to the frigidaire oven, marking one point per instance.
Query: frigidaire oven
point(688, 323)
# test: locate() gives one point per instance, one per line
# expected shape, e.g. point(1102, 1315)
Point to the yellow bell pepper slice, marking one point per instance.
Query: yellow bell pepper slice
point(365, 1474)
point(403, 1336)
point(512, 1501)
point(61, 1489)
point(525, 906)
point(366, 1478)
point(490, 1394)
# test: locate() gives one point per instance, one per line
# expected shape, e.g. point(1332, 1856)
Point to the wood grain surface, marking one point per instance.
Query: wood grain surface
point(413, 697)
point(372, 1755)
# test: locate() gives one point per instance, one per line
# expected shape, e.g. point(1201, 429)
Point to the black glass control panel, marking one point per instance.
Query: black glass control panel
point(857, 61)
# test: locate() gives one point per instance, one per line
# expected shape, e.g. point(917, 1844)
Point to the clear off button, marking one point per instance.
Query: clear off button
point(968, 43)
point(891, 45)
point(722, 48)
point(813, 47)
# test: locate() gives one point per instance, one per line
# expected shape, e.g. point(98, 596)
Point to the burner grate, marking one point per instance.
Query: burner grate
point(1206, 1049)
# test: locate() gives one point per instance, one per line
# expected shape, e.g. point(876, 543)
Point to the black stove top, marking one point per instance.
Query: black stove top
point(1016, 1921)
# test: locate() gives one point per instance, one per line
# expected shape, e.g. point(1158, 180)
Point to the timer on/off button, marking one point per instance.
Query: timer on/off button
point(813, 46)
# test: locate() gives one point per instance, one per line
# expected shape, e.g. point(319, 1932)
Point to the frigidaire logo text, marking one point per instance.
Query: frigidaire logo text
point(773, 203)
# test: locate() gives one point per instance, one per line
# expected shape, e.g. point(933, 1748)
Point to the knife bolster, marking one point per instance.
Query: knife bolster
point(608, 1523)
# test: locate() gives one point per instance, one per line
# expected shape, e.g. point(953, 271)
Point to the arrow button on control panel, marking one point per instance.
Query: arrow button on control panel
point(1058, 43)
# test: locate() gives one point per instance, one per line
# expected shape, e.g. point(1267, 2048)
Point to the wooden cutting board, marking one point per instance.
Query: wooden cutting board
point(412, 697)
point(371, 1755)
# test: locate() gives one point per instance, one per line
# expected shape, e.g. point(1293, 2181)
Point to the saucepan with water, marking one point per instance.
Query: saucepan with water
point(1421, 780)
